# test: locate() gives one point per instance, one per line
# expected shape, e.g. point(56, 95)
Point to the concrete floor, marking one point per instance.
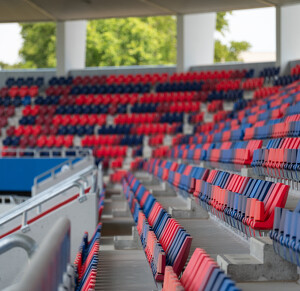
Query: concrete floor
point(124, 270)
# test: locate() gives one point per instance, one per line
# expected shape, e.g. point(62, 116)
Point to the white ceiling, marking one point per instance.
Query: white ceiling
point(60, 10)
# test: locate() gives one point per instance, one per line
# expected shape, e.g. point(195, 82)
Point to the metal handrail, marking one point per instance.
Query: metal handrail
point(45, 271)
point(25, 207)
point(18, 240)
point(79, 152)
point(52, 171)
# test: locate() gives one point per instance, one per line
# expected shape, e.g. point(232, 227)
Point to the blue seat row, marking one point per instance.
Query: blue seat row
point(27, 120)
point(30, 81)
point(286, 234)
point(269, 72)
point(60, 81)
point(144, 108)
point(285, 80)
point(16, 101)
point(115, 129)
point(49, 100)
point(84, 109)
point(230, 95)
point(76, 130)
point(110, 89)
point(179, 87)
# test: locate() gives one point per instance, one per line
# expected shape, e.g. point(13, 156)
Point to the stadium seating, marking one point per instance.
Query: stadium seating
point(286, 234)
point(86, 261)
point(164, 240)
point(244, 203)
point(201, 273)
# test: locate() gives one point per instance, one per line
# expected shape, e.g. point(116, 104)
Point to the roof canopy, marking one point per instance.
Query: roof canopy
point(61, 10)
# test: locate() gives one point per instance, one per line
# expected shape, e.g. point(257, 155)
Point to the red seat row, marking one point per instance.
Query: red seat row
point(147, 78)
point(22, 91)
point(168, 97)
point(89, 80)
point(7, 111)
point(253, 83)
point(110, 151)
point(137, 118)
point(226, 85)
point(215, 105)
point(34, 130)
point(77, 119)
point(156, 140)
point(117, 163)
point(106, 99)
point(37, 109)
point(266, 91)
point(101, 140)
point(55, 141)
point(208, 75)
point(58, 90)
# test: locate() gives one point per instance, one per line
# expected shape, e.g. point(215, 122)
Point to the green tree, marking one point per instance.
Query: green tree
point(39, 42)
point(110, 42)
point(231, 52)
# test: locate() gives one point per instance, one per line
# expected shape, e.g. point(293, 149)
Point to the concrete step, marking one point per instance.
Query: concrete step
point(262, 264)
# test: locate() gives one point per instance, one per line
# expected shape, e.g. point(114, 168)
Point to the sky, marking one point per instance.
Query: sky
point(257, 26)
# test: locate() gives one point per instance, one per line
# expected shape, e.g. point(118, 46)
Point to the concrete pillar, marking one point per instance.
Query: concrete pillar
point(287, 34)
point(195, 40)
point(70, 46)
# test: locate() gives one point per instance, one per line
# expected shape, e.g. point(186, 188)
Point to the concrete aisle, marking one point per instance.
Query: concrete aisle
point(124, 270)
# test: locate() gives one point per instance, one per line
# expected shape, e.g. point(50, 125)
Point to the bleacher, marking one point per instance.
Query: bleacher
point(190, 184)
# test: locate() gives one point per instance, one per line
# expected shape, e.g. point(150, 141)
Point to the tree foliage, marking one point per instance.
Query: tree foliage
point(232, 51)
point(39, 45)
point(110, 42)
point(120, 42)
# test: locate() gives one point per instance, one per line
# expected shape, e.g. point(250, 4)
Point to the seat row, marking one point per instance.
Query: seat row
point(164, 240)
point(230, 95)
point(129, 140)
point(110, 151)
point(148, 118)
point(91, 109)
point(86, 261)
point(186, 107)
point(14, 102)
point(179, 87)
point(226, 152)
point(280, 159)
point(34, 130)
point(212, 75)
point(22, 91)
point(286, 234)
point(202, 273)
point(29, 81)
point(77, 119)
point(243, 203)
point(110, 89)
point(168, 97)
point(147, 129)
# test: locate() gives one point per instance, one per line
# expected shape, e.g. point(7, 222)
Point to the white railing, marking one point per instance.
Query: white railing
point(55, 170)
point(36, 202)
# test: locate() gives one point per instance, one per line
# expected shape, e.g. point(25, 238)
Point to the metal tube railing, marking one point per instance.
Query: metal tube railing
point(46, 269)
point(29, 205)
point(18, 240)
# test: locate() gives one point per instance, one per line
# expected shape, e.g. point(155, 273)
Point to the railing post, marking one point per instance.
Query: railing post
point(25, 227)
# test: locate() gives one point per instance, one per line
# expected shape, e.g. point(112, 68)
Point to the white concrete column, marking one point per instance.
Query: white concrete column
point(70, 46)
point(287, 33)
point(195, 40)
